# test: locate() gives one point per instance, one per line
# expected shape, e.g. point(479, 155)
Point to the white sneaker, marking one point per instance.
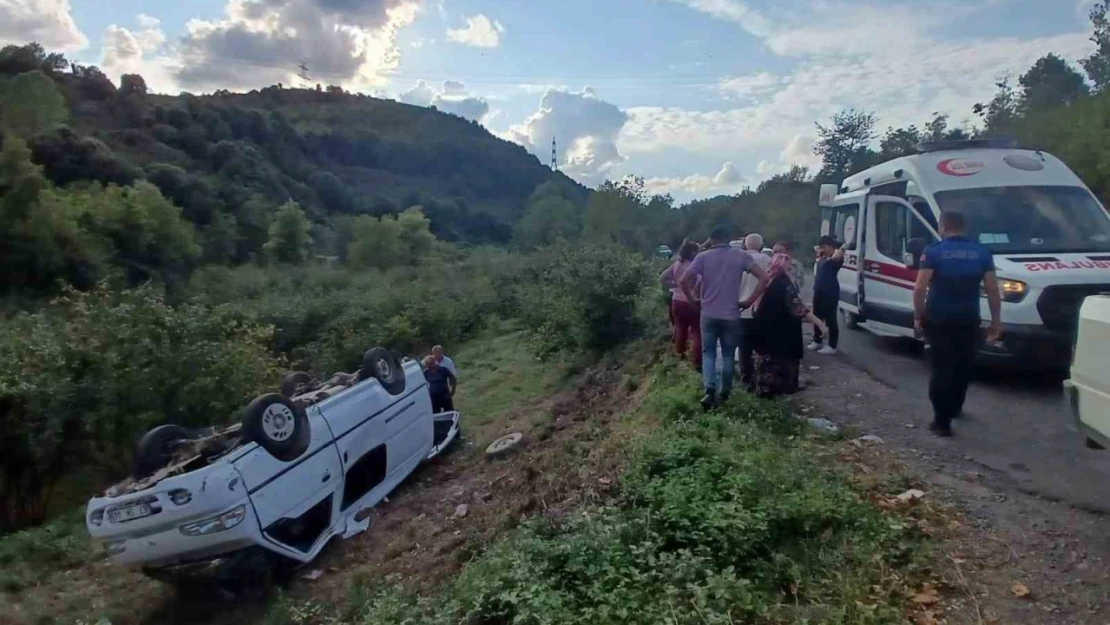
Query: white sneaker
point(828, 351)
point(813, 346)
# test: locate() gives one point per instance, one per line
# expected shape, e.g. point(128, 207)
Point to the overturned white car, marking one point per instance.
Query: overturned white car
point(304, 466)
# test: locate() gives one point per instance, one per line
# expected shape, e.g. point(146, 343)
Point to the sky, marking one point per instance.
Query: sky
point(699, 97)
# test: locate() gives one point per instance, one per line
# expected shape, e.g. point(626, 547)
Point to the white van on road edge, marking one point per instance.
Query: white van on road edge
point(305, 466)
point(1088, 391)
point(1049, 235)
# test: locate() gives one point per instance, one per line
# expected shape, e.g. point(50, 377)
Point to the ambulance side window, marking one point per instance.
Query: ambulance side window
point(891, 230)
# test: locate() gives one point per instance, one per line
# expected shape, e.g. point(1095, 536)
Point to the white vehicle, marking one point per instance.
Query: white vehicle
point(304, 466)
point(1088, 390)
point(1049, 236)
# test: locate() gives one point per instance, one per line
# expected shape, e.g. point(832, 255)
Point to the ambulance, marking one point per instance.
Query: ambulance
point(1049, 235)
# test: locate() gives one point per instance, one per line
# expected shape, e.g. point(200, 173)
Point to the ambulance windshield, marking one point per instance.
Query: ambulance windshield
point(1032, 220)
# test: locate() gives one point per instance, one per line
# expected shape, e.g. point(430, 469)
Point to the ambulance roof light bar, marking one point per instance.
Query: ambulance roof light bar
point(986, 143)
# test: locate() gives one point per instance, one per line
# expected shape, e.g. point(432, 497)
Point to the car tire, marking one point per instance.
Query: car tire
point(294, 383)
point(379, 363)
point(155, 449)
point(278, 425)
point(851, 319)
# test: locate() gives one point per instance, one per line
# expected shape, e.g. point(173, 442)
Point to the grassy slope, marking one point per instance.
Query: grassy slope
point(738, 517)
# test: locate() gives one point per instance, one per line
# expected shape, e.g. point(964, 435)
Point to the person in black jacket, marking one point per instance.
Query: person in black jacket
point(441, 385)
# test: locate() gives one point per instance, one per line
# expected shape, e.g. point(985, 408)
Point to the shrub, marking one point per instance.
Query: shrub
point(83, 378)
point(581, 297)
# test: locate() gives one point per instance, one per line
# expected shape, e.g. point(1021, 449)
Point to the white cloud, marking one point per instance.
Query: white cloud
point(732, 11)
point(799, 151)
point(746, 86)
point(352, 43)
point(727, 180)
point(585, 129)
point(140, 52)
point(951, 78)
point(49, 22)
point(452, 97)
point(480, 32)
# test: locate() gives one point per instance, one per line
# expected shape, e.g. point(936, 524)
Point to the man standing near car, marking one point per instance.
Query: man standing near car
point(444, 360)
point(441, 385)
point(946, 310)
point(720, 268)
point(826, 294)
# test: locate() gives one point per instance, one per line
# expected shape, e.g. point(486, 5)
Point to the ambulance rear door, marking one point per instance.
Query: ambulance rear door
point(896, 236)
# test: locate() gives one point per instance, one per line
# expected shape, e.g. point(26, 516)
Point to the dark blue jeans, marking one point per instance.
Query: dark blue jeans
point(726, 331)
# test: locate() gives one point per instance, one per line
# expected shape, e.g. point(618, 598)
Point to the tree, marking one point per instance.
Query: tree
point(290, 237)
point(1097, 65)
point(1002, 112)
point(375, 242)
point(31, 57)
point(1050, 83)
point(549, 219)
point(30, 104)
point(416, 235)
point(132, 84)
point(844, 145)
point(899, 142)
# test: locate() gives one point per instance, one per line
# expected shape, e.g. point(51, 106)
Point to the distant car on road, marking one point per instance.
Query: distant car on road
point(305, 465)
point(664, 252)
point(1088, 390)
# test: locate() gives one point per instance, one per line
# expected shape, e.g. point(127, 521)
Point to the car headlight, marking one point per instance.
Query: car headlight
point(218, 523)
point(1012, 291)
point(97, 517)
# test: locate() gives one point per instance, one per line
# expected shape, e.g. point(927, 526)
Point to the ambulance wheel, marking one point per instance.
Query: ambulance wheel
point(851, 319)
point(278, 426)
point(380, 364)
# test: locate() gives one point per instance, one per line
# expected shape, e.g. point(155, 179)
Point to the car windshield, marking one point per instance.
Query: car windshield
point(1032, 220)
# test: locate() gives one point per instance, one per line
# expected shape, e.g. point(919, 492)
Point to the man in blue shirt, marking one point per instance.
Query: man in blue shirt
point(946, 310)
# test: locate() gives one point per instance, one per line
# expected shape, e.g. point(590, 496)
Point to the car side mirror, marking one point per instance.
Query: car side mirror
point(914, 249)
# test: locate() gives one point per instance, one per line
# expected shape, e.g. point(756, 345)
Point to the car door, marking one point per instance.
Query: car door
point(296, 501)
point(897, 236)
point(844, 220)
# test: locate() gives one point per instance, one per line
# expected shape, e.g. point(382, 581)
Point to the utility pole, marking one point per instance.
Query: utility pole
point(303, 75)
point(554, 157)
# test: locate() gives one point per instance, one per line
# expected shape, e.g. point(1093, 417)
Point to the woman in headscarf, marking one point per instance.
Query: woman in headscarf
point(779, 315)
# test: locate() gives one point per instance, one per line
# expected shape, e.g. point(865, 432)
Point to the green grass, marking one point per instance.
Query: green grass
point(498, 375)
point(722, 518)
point(30, 556)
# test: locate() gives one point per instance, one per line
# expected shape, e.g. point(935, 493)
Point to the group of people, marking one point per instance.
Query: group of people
point(442, 377)
point(735, 296)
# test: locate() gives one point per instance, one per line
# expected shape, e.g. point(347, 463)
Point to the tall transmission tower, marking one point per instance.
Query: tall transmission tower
point(303, 75)
point(554, 157)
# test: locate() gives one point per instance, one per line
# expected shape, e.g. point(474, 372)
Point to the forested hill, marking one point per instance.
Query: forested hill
point(242, 155)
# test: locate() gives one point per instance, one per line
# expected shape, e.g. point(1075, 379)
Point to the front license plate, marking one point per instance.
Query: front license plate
point(129, 512)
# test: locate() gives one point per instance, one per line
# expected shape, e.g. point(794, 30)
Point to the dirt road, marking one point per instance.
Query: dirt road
point(1026, 489)
point(1014, 425)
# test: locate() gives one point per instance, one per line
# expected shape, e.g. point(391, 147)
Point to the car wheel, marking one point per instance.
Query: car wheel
point(851, 319)
point(278, 426)
point(382, 365)
point(156, 448)
point(295, 383)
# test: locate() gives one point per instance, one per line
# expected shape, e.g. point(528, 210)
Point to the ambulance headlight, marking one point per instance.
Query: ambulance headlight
point(1012, 290)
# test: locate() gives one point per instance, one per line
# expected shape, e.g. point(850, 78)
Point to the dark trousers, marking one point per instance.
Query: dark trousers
point(825, 309)
point(747, 349)
point(442, 402)
point(687, 327)
point(952, 346)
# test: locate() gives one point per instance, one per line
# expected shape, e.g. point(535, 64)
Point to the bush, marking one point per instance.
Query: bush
point(581, 297)
point(83, 378)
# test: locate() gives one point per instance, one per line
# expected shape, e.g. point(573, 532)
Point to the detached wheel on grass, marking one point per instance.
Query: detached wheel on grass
point(295, 383)
point(156, 448)
point(278, 425)
point(505, 445)
point(379, 363)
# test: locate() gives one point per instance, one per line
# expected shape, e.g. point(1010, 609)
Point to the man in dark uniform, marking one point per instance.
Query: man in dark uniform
point(946, 310)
